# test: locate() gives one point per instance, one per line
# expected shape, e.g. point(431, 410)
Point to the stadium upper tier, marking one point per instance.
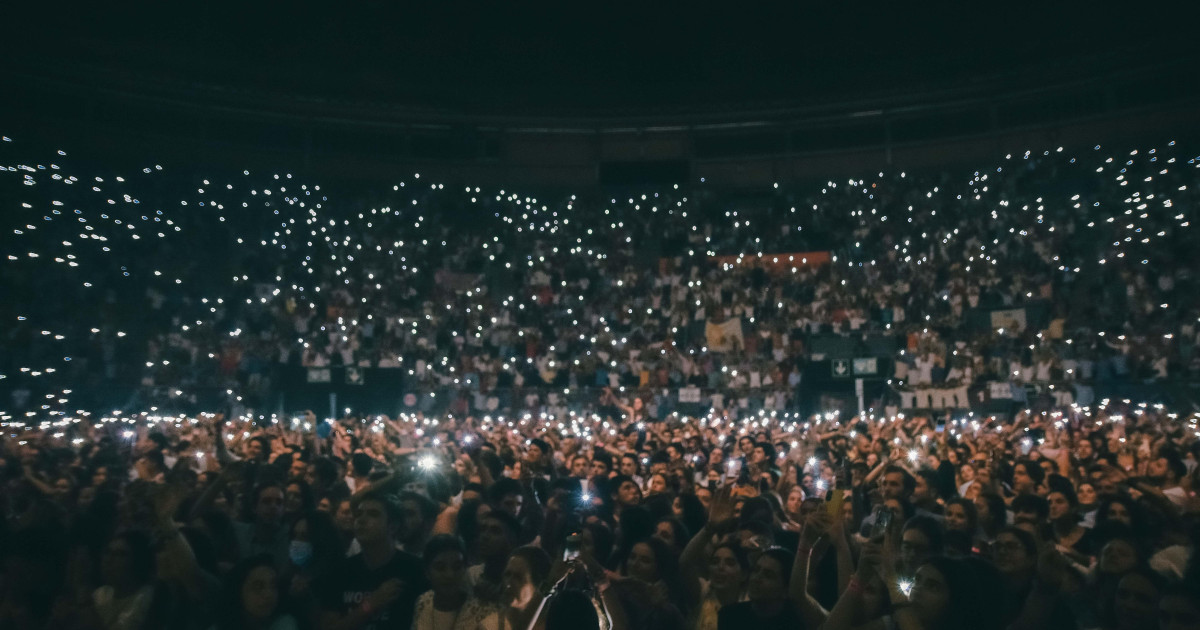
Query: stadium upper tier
point(1054, 266)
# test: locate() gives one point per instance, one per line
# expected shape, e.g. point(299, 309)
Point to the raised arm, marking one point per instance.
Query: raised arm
point(806, 606)
point(691, 561)
point(210, 493)
point(176, 560)
point(1039, 605)
point(850, 599)
point(224, 457)
point(877, 470)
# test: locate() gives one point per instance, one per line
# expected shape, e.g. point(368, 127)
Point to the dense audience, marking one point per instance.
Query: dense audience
point(1065, 272)
point(564, 484)
point(1075, 519)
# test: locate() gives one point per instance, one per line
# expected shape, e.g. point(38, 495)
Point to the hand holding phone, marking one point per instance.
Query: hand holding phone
point(833, 504)
point(571, 548)
point(883, 522)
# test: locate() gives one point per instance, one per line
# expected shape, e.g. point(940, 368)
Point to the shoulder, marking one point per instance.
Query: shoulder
point(734, 611)
point(405, 560)
point(332, 578)
point(424, 601)
point(348, 563)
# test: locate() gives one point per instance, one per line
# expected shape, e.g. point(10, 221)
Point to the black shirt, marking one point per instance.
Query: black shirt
point(741, 615)
point(348, 585)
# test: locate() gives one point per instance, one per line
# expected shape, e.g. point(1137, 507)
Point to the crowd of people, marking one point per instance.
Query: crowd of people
point(132, 316)
point(1081, 519)
point(1059, 270)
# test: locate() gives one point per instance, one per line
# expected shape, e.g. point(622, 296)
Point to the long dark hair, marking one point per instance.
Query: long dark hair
point(602, 542)
point(229, 615)
point(307, 502)
point(1136, 516)
point(679, 530)
point(667, 563)
point(997, 513)
point(636, 525)
point(785, 558)
point(466, 523)
point(739, 554)
point(694, 514)
point(964, 604)
point(970, 510)
point(324, 536)
point(539, 564)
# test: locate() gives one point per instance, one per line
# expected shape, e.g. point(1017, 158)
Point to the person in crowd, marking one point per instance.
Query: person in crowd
point(673, 532)
point(263, 530)
point(129, 596)
point(252, 600)
point(1179, 608)
point(962, 516)
point(728, 570)
point(921, 538)
point(297, 499)
point(343, 518)
point(420, 513)
point(523, 586)
point(993, 514)
point(767, 604)
point(442, 606)
point(1007, 477)
point(499, 534)
point(315, 550)
point(377, 587)
point(652, 589)
point(1065, 524)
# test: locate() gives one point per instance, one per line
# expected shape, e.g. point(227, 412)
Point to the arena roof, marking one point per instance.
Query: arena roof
point(588, 59)
point(582, 94)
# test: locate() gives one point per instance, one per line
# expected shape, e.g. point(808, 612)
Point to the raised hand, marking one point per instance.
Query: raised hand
point(818, 524)
point(869, 558)
point(887, 559)
point(721, 508)
point(167, 499)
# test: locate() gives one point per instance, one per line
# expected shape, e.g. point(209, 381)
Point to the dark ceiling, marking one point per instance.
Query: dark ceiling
point(588, 57)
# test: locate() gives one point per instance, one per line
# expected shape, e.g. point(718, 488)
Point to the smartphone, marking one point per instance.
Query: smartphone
point(883, 521)
point(743, 477)
point(834, 500)
point(732, 468)
point(571, 548)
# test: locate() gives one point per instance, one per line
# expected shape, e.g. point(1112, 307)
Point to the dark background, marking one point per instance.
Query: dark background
point(576, 95)
point(591, 56)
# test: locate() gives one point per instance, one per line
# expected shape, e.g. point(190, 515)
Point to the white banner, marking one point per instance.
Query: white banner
point(1002, 391)
point(1011, 319)
point(319, 375)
